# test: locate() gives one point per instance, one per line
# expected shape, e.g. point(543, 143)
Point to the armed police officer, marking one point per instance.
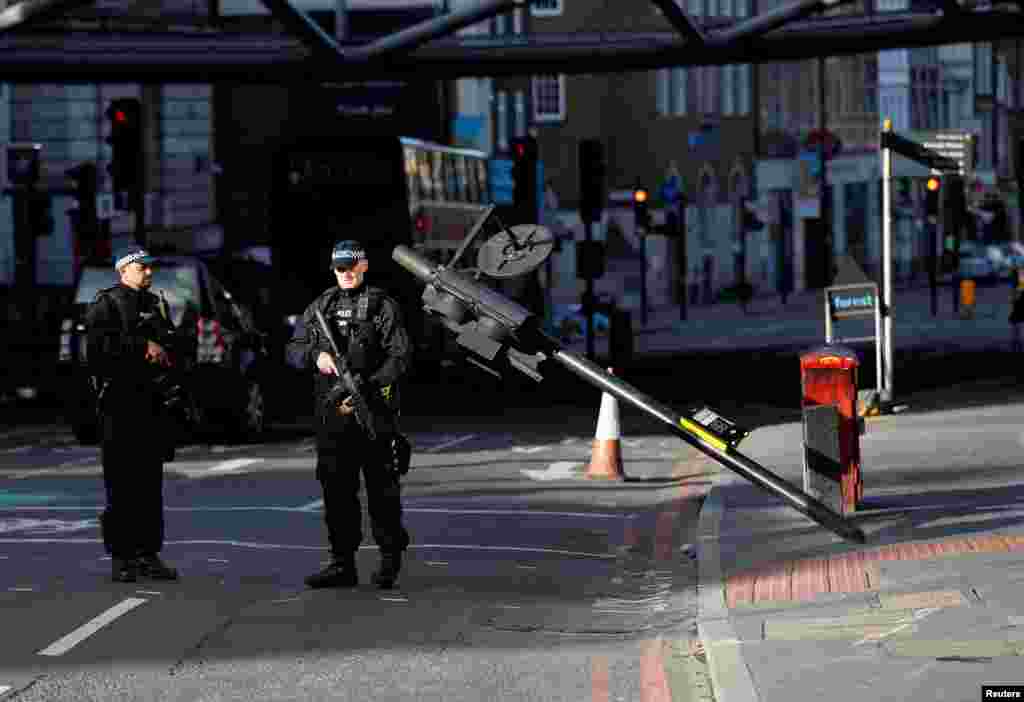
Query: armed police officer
point(358, 360)
point(132, 348)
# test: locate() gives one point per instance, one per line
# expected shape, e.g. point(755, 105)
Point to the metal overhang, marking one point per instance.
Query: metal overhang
point(258, 58)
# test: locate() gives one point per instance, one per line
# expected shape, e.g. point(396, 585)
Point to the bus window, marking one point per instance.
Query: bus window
point(481, 176)
point(437, 171)
point(461, 190)
point(411, 175)
point(426, 183)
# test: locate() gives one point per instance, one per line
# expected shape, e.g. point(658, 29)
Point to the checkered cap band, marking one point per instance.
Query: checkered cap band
point(131, 257)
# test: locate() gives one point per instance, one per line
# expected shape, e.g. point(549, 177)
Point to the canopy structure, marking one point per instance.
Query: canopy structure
point(34, 48)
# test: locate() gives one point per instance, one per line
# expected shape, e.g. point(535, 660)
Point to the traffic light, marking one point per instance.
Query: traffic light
point(641, 198)
point(125, 168)
point(84, 218)
point(592, 179)
point(933, 187)
point(23, 164)
point(525, 155)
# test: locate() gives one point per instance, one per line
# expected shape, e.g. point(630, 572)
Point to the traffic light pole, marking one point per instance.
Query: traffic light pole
point(588, 293)
point(887, 270)
point(684, 288)
point(643, 276)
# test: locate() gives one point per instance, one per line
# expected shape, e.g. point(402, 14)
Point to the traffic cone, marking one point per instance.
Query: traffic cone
point(606, 457)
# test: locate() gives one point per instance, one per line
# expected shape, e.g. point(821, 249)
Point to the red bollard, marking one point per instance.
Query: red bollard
point(832, 429)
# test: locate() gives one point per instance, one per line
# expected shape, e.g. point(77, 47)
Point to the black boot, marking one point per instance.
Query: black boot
point(150, 566)
point(390, 564)
point(341, 572)
point(124, 570)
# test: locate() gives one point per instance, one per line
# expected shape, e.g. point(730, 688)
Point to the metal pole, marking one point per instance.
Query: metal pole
point(341, 20)
point(684, 271)
point(879, 384)
point(588, 295)
point(643, 277)
point(735, 461)
point(828, 322)
point(886, 339)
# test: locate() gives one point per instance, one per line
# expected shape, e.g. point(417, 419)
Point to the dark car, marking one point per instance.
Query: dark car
point(227, 376)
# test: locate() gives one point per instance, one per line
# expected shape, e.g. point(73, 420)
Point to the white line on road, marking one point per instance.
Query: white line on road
point(918, 616)
point(318, 504)
point(303, 547)
point(528, 449)
point(233, 464)
point(21, 589)
point(448, 444)
point(66, 643)
point(519, 512)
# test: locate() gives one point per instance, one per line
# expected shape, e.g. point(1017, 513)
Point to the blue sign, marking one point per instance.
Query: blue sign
point(670, 190)
point(500, 180)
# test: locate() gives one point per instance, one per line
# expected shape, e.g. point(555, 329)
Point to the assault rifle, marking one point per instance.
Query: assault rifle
point(346, 386)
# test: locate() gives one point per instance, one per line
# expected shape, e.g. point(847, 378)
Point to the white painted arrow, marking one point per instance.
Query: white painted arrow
point(560, 470)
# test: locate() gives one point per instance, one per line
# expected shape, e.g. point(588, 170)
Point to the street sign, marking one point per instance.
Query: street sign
point(918, 152)
point(852, 300)
point(954, 144)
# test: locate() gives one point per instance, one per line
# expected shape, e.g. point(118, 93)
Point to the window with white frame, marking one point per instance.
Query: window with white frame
point(501, 121)
point(744, 90)
point(728, 90)
point(672, 92)
point(548, 98)
point(546, 8)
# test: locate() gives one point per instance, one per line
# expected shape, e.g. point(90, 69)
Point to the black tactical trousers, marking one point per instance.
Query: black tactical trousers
point(133, 521)
point(341, 457)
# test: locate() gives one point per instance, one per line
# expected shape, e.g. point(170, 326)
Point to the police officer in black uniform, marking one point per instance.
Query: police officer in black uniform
point(367, 328)
point(131, 345)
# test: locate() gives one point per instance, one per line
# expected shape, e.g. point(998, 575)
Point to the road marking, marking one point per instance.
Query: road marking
point(559, 470)
point(394, 599)
point(600, 681)
point(653, 682)
point(149, 592)
point(4, 689)
point(437, 563)
point(448, 444)
point(66, 643)
point(217, 560)
point(46, 526)
point(233, 464)
point(302, 547)
point(21, 589)
point(528, 449)
point(318, 504)
point(918, 616)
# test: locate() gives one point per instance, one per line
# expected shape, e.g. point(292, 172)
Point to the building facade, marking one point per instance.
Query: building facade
point(693, 122)
point(964, 87)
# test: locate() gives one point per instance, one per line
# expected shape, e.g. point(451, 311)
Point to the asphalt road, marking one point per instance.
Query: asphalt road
point(524, 580)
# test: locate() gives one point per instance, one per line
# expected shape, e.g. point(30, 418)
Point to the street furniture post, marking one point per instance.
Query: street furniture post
point(831, 427)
